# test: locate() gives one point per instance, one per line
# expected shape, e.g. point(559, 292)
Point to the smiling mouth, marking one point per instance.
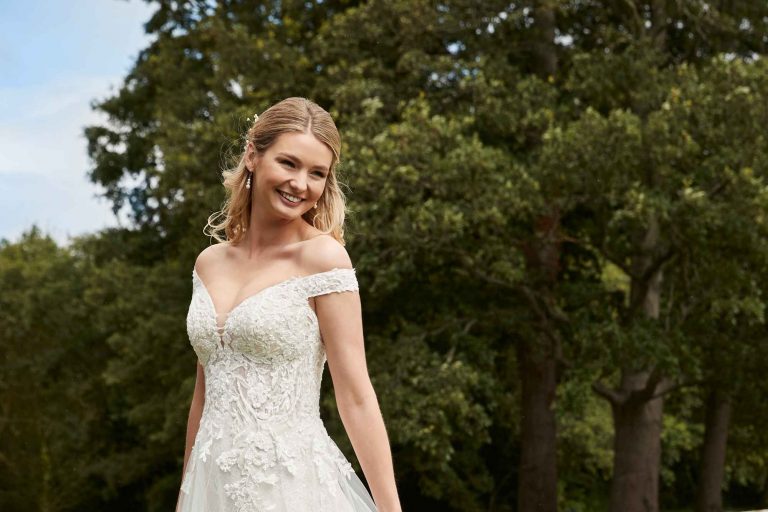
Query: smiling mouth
point(289, 197)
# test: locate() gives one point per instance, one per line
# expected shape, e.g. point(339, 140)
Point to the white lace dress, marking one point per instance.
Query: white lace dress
point(261, 445)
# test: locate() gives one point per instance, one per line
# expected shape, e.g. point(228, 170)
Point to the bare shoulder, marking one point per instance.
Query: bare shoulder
point(210, 255)
point(322, 253)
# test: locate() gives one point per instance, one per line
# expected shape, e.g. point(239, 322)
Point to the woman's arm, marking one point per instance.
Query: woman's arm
point(195, 412)
point(341, 327)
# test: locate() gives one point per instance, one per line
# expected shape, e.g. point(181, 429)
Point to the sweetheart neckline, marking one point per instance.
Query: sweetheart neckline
point(222, 328)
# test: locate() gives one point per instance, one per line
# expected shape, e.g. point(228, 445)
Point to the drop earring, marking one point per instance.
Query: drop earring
point(248, 181)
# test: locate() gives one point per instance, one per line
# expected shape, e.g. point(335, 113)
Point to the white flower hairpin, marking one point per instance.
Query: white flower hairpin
point(255, 118)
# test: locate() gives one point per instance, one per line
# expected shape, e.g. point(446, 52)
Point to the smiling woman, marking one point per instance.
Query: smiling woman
point(285, 143)
point(271, 304)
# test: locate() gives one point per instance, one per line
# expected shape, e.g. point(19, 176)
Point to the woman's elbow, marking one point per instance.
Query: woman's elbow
point(358, 395)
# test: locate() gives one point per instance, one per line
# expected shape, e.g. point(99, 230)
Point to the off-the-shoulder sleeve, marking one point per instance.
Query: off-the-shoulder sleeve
point(335, 280)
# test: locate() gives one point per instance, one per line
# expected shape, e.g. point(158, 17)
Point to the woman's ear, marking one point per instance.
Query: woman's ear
point(251, 157)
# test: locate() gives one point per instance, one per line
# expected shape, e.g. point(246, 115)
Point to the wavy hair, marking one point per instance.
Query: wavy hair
point(293, 114)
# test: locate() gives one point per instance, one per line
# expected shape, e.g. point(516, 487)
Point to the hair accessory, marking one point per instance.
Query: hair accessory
point(255, 117)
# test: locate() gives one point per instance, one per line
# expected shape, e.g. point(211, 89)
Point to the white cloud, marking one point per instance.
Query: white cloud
point(41, 128)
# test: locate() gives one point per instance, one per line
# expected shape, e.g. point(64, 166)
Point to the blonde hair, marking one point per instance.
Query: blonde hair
point(290, 115)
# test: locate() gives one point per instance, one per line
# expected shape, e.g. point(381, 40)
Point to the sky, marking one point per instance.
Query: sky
point(56, 57)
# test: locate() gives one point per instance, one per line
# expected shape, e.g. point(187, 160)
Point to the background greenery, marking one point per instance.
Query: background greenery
point(558, 223)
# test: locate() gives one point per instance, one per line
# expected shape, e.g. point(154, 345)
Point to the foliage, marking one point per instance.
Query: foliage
point(454, 147)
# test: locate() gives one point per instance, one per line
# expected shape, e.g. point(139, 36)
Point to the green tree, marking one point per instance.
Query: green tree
point(52, 405)
point(508, 163)
point(682, 164)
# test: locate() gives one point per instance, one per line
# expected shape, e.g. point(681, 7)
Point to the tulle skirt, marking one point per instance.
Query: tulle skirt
point(313, 482)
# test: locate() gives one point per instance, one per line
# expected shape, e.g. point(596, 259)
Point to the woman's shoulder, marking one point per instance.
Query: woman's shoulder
point(211, 253)
point(322, 253)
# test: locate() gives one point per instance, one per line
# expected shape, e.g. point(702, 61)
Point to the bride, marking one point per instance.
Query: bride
point(274, 300)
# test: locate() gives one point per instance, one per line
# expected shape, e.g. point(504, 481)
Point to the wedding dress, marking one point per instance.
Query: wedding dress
point(262, 445)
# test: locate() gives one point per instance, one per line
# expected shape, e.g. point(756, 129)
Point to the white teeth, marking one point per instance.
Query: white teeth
point(289, 197)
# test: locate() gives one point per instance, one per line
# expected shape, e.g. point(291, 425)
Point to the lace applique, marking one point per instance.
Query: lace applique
point(261, 441)
point(336, 280)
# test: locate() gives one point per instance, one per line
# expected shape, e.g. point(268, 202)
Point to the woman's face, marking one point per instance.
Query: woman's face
point(290, 176)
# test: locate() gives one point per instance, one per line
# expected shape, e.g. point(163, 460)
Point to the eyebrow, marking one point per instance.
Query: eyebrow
point(323, 168)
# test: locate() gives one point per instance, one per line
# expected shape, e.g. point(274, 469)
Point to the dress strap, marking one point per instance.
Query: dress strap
point(335, 280)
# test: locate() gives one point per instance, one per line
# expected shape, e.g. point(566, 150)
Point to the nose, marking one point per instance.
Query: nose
point(299, 183)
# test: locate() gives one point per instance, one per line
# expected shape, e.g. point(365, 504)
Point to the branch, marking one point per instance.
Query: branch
point(548, 312)
point(601, 250)
point(658, 22)
point(613, 396)
point(657, 264)
point(543, 311)
point(690, 306)
point(647, 393)
point(492, 280)
point(669, 388)
point(631, 8)
point(717, 189)
point(543, 318)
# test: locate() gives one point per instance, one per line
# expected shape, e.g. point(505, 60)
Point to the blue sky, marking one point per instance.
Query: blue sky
point(55, 58)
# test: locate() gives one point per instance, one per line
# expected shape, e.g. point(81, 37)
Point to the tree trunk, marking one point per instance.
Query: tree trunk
point(636, 448)
point(538, 460)
point(538, 358)
point(637, 405)
point(544, 48)
point(709, 496)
